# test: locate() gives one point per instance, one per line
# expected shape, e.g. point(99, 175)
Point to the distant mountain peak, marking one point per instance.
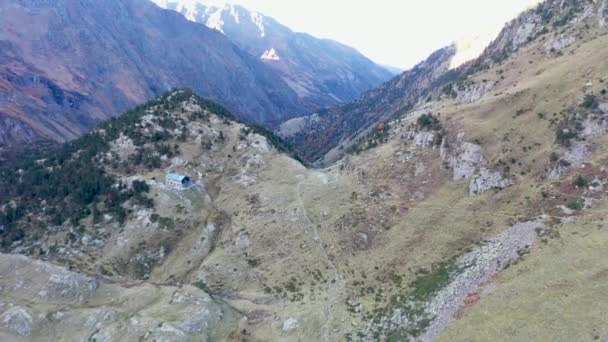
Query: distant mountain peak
point(320, 71)
point(214, 19)
point(214, 14)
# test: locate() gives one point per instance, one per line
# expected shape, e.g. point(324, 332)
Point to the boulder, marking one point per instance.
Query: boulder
point(466, 161)
point(487, 180)
point(17, 320)
point(290, 324)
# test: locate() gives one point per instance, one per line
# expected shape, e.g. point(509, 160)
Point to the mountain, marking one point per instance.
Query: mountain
point(477, 214)
point(322, 72)
point(392, 69)
point(327, 134)
point(316, 135)
point(79, 62)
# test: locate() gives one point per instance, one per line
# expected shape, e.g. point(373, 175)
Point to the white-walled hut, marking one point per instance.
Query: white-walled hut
point(177, 181)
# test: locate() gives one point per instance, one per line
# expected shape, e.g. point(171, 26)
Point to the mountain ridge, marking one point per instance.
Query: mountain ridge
point(321, 71)
point(479, 213)
point(56, 84)
point(346, 124)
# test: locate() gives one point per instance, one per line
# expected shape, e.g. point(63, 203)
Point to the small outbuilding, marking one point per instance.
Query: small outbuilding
point(177, 181)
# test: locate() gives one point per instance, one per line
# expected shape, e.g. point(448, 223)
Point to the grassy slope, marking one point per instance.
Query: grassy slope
point(556, 294)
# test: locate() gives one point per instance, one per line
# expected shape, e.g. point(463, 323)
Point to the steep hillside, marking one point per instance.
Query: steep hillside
point(326, 135)
point(478, 215)
point(317, 134)
point(77, 63)
point(322, 72)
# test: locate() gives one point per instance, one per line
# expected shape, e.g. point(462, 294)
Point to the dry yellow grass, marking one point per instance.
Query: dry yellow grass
point(558, 293)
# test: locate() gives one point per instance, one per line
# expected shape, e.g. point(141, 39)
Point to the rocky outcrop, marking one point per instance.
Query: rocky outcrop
point(576, 152)
point(467, 162)
point(53, 284)
point(469, 92)
point(17, 320)
point(43, 302)
point(424, 138)
point(486, 180)
point(557, 44)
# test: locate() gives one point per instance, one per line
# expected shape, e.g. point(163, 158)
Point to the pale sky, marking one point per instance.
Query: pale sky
point(398, 33)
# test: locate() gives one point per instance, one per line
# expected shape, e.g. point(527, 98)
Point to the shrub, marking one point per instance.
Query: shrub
point(427, 284)
point(576, 204)
point(590, 102)
point(554, 157)
point(140, 186)
point(429, 121)
point(581, 182)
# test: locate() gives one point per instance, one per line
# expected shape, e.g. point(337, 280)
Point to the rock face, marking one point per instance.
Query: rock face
point(78, 63)
point(487, 180)
point(44, 302)
point(320, 71)
point(559, 43)
point(467, 162)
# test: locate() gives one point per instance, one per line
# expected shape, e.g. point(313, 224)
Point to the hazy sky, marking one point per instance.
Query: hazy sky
point(395, 32)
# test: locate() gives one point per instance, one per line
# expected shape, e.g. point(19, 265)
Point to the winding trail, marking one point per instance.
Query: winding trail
point(332, 287)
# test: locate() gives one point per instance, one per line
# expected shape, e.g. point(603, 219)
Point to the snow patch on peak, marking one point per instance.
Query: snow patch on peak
point(214, 19)
point(258, 20)
point(270, 55)
point(188, 8)
point(234, 13)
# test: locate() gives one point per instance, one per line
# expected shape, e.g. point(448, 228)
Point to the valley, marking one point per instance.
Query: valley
point(470, 208)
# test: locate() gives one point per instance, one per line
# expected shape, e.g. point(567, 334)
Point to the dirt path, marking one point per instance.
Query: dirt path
point(332, 290)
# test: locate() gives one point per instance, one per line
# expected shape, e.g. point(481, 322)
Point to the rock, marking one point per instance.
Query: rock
point(424, 139)
point(577, 154)
point(69, 287)
point(17, 320)
point(243, 240)
point(123, 147)
point(527, 30)
point(603, 107)
point(559, 43)
point(487, 180)
point(473, 92)
point(290, 324)
point(260, 143)
point(99, 317)
point(468, 157)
